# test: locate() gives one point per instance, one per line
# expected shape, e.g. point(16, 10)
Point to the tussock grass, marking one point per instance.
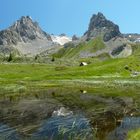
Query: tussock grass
point(134, 135)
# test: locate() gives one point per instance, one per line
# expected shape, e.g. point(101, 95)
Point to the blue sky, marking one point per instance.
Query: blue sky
point(71, 16)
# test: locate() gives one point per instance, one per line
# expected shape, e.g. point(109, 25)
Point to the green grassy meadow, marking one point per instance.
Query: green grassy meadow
point(72, 51)
point(102, 71)
point(13, 75)
point(109, 69)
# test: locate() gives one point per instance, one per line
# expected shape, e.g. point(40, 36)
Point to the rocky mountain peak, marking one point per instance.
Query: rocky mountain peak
point(100, 26)
point(25, 19)
point(28, 29)
point(23, 30)
point(98, 20)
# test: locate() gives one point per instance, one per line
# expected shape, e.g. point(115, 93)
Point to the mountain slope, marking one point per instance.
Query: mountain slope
point(83, 49)
point(102, 37)
point(25, 36)
point(23, 30)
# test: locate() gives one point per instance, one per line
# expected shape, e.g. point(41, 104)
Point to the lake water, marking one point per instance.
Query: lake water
point(67, 116)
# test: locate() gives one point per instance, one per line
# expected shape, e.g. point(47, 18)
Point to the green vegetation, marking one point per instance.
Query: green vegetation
point(70, 70)
point(10, 57)
point(134, 135)
point(72, 51)
point(109, 68)
point(91, 89)
point(15, 77)
point(21, 78)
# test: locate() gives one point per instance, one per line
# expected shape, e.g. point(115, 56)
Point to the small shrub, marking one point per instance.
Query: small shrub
point(10, 58)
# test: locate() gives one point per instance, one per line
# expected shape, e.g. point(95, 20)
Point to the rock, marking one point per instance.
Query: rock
point(121, 51)
point(62, 112)
point(26, 37)
point(74, 38)
point(28, 30)
point(100, 26)
point(117, 50)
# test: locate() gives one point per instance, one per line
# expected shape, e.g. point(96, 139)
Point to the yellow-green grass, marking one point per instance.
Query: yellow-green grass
point(71, 51)
point(19, 77)
point(110, 69)
point(134, 135)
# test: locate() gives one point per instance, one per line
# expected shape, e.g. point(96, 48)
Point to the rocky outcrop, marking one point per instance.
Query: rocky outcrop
point(100, 26)
point(23, 30)
point(122, 51)
point(26, 37)
point(75, 38)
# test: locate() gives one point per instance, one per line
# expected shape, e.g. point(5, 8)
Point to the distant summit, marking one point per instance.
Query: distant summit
point(25, 37)
point(23, 30)
point(103, 38)
point(100, 26)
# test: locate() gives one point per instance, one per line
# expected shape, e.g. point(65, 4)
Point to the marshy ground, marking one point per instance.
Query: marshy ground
point(102, 96)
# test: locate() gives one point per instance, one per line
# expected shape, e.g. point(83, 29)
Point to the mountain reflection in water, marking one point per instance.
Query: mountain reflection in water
point(67, 116)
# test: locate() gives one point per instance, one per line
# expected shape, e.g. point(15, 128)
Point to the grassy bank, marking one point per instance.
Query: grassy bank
point(116, 73)
point(134, 135)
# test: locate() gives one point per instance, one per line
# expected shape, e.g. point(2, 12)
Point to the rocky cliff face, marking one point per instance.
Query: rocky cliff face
point(100, 26)
point(107, 37)
point(23, 30)
point(26, 36)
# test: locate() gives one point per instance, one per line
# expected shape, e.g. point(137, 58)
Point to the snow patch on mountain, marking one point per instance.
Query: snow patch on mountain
point(61, 39)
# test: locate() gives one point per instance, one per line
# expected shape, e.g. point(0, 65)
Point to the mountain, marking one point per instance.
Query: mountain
point(26, 37)
point(100, 26)
point(133, 37)
point(24, 30)
point(82, 50)
point(103, 37)
point(61, 39)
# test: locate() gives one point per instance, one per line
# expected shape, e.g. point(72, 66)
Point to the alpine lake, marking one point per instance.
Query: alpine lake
point(74, 112)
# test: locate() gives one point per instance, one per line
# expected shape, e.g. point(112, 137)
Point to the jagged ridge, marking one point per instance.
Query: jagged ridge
point(23, 30)
point(100, 26)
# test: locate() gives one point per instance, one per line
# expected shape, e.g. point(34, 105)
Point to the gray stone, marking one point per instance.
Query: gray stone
point(100, 26)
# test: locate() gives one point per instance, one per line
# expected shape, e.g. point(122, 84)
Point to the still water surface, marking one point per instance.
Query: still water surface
point(67, 116)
